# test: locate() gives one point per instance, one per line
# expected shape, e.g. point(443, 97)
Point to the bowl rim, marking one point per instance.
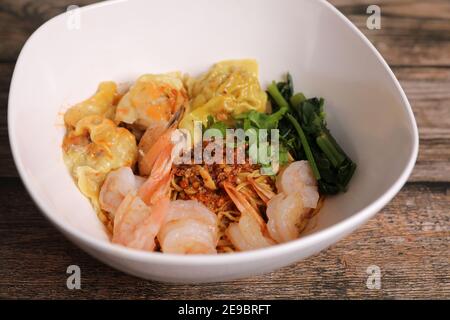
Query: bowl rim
point(335, 231)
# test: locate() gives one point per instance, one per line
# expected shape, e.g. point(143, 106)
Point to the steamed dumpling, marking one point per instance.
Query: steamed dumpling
point(102, 103)
point(152, 100)
point(228, 89)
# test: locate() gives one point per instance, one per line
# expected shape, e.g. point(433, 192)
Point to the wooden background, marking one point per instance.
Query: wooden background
point(408, 240)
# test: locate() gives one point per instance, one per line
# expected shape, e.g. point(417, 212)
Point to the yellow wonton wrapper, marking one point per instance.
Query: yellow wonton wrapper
point(101, 104)
point(228, 89)
point(95, 147)
point(152, 99)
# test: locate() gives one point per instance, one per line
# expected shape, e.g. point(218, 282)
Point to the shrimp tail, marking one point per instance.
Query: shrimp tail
point(243, 204)
point(159, 180)
point(150, 158)
point(263, 193)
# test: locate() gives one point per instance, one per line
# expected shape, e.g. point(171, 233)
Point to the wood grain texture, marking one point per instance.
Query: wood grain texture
point(19, 18)
point(409, 35)
point(428, 90)
point(408, 240)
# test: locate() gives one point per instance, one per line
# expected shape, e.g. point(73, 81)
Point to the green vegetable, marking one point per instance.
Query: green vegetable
point(282, 103)
point(305, 144)
point(219, 125)
point(277, 96)
point(259, 120)
point(305, 134)
point(328, 148)
point(297, 100)
point(286, 88)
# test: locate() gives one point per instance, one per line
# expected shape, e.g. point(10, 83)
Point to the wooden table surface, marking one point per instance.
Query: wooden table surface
point(408, 240)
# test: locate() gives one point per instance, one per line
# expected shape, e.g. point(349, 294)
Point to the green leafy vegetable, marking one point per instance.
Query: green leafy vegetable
point(276, 95)
point(219, 125)
point(297, 100)
point(286, 88)
point(305, 144)
point(260, 120)
point(304, 133)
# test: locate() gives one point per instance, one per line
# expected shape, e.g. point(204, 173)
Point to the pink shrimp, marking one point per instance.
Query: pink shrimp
point(150, 144)
point(264, 193)
point(155, 138)
point(189, 228)
point(298, 177)
point(250, 232)
point(140, 215)
point(288, 211)
point(117, 185)
point(287, 216)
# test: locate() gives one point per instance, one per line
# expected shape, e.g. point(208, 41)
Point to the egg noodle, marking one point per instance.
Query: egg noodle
point(119, 149)
point(226, 211)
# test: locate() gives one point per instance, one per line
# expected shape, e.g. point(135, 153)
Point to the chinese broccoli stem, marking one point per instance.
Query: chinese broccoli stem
point(306, 146)
point(277, 97)
point(296, 100)
point(283, 104)
point(327, 146)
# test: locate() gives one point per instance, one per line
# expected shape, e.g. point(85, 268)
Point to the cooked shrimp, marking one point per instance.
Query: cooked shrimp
point(147, 155)
point(117, 185)
point(287, 211)
point(160, 176)
point(140, 215)
point(249, 232)
point(136, 224)
point(156, 137)
point(242, 204)
point(287, 216)
point(189, 227)
point(298, 177)
point(264, 193)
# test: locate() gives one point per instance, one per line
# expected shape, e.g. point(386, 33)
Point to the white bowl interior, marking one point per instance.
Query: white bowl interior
point(366, 109)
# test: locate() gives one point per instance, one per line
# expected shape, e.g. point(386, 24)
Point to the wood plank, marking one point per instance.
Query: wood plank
point(428, 90)
point(7, 167)
point(406, 38)
point(430, 9)
point(409, 41)
point(26, 16)
point(413, 32)
point(409, 241)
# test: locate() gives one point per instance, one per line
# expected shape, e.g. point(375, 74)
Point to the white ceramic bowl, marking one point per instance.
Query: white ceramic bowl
point(61, 64)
